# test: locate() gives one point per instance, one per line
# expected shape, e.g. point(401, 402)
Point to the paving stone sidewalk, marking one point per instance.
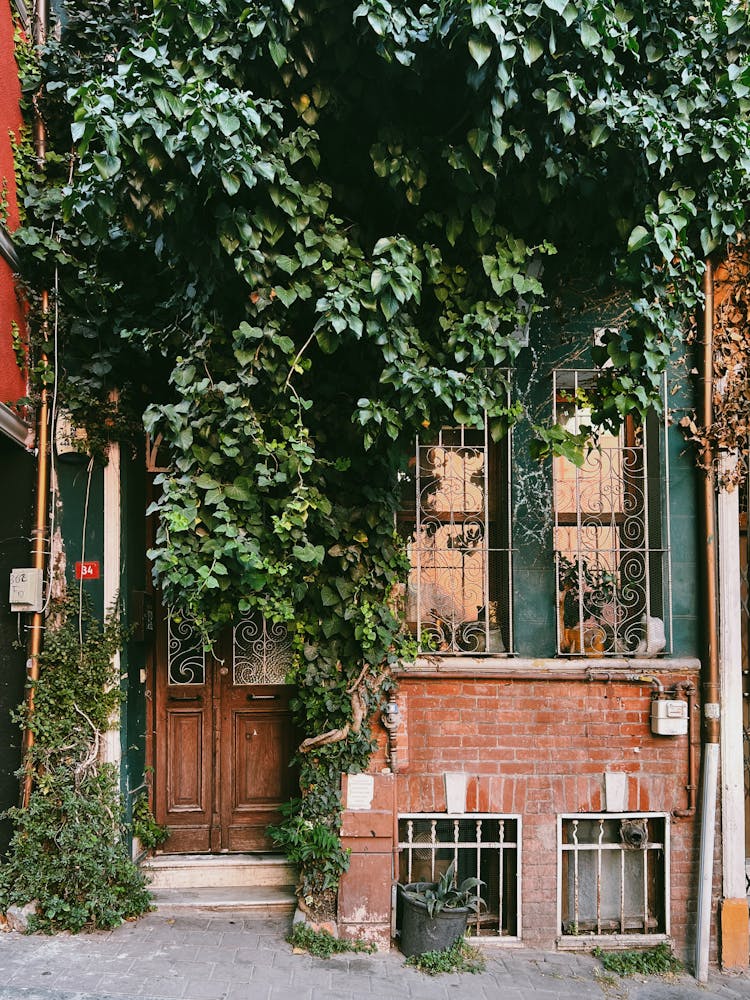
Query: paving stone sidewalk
point(213, 956)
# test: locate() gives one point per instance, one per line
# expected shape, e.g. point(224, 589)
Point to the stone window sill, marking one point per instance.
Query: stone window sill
point(546, 668)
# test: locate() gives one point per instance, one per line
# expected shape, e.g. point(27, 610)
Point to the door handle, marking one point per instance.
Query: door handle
point(262, 697)
point(196, 697)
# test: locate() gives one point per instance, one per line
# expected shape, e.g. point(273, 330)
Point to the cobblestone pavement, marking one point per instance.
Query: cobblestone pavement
point(210, 956)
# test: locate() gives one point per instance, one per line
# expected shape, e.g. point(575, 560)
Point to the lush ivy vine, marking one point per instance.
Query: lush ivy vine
point(67, 854)
point(297, 232)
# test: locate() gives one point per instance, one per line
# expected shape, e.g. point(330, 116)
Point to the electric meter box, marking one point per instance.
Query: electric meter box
point(669, 717)
point(26, 590)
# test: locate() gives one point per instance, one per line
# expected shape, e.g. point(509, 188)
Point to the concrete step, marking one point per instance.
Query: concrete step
point(261, 901)
point(209, 871)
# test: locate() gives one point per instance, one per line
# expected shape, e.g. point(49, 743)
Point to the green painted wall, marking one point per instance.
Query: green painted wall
point(81, 506)
point(75, 507)
point(18, 468)
point(133, 578)
point(684, 486)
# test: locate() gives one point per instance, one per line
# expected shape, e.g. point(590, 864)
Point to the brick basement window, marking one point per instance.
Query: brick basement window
point(485, 846)
point(613, 874)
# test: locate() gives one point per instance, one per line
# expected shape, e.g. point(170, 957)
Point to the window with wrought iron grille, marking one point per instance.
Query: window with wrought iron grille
point(614, 874)
point(455, 518)
point(483, 846)
point(611, 533)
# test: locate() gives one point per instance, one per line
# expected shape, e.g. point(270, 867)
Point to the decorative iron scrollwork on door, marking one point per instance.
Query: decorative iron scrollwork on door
point(261, 651)
point(186, 657)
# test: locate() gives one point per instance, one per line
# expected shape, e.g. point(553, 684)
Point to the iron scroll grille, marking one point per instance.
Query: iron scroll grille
point(483, 846)
point(455, 517)
point(261, 651)
point(611, 533)
point(186, 657)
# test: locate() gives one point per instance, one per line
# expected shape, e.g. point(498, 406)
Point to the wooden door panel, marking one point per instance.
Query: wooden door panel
point(256, 777)
point(184, 771)
point(185, 767)
point(183, 747)
point(261, 759)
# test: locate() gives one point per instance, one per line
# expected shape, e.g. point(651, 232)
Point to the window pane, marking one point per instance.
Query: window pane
point(609, 557)
point(457, 596)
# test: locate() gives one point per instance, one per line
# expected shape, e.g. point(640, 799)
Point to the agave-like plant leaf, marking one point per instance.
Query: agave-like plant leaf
point(445, 894)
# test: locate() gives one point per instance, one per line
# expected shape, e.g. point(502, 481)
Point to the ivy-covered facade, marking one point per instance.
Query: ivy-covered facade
point(379, 326)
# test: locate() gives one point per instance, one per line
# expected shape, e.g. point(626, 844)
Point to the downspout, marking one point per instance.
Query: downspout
point(711, 708)
point(39, 535)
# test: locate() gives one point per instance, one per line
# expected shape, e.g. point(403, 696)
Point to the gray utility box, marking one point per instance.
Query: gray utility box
point(669, 717)
point(26, 590)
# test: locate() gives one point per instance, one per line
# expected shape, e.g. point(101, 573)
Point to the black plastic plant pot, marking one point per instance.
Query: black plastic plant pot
point(420, 932)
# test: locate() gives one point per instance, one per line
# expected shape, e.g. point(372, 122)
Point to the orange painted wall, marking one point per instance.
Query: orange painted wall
point(12, 381)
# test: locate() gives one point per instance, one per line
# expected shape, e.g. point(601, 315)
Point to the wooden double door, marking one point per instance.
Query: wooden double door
point(223, 738)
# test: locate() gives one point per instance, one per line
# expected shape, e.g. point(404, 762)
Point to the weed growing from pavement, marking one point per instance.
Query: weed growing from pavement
point(322, 944)
point(460, 957)
point(649, 962)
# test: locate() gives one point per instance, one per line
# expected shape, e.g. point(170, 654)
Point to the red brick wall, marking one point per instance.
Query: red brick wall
point(538, 748)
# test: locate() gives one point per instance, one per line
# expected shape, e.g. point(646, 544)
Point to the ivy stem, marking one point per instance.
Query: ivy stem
point(299, 355)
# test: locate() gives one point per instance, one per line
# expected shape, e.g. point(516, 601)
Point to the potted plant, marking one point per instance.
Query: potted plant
point(434, 914)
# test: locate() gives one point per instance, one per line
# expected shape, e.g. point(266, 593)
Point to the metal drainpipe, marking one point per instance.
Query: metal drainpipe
point(711, 708)
point(39, 536)
point(688, 688)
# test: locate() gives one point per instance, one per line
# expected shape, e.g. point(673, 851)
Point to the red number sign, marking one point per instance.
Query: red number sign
point(87, 571)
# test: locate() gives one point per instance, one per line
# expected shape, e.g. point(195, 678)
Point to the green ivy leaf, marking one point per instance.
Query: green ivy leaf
point(532, 49)
point(278, 53)
point(107, 165)
point(599, 134)
point(228, 124)
point(308, 553)
point(231, 182)
point(555, 100)
point(480, 50)
point(200, 23)
point(639, 238)
point(590, 37)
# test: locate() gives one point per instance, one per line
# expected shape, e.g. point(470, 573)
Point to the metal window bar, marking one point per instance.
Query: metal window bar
point(612, 566)
point(459, 592)
point(630, 884)
point(428, 843)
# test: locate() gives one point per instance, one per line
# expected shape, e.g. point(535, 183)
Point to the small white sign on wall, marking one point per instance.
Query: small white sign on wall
point(455, 791)
point(615, 791)
point(359, 791)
